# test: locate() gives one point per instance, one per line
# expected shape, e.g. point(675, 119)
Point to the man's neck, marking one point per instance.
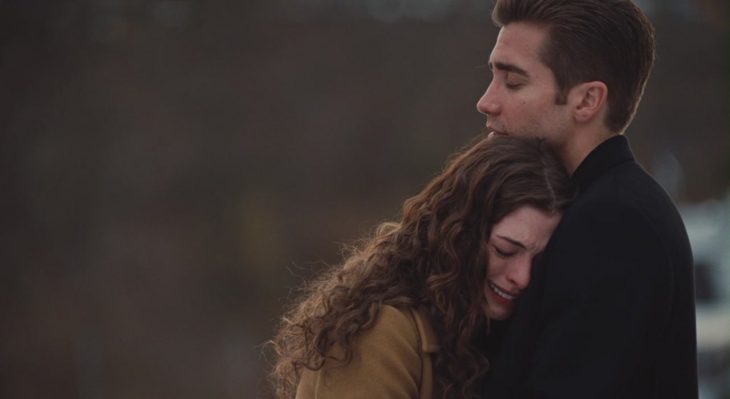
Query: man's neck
point(575, 150)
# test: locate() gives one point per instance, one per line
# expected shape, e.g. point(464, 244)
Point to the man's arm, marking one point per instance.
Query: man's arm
point(607, 294)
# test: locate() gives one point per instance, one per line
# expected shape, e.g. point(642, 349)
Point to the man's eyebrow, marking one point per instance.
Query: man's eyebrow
point(514, 242)
point(509, 68)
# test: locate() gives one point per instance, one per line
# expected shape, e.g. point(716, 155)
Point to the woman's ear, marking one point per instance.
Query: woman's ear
point(589, 99)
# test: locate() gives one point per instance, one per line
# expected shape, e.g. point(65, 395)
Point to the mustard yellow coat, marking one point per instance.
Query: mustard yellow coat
point(390, 360)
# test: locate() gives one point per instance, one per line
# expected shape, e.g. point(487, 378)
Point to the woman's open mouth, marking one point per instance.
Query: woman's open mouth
point(500, 292)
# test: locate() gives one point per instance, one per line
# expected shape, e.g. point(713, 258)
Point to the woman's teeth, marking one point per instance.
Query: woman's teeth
point(500, 292)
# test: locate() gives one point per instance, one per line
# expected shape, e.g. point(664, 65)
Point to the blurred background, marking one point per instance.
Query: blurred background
point(171, 170)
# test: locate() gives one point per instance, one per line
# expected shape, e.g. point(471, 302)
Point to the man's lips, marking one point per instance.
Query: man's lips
point(494, 132)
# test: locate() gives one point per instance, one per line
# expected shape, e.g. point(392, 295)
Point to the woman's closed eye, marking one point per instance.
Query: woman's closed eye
point(505, 253)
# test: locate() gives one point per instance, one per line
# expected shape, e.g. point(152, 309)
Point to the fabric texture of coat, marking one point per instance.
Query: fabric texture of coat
point(390, 360)
point(609, 312)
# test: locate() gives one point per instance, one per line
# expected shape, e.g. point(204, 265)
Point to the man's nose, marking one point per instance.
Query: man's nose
point(488, 104)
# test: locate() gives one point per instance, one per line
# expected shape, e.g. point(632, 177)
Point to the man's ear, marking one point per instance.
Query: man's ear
point(589, 99)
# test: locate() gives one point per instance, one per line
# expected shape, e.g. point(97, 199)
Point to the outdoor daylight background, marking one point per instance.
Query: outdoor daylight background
point(171, 170)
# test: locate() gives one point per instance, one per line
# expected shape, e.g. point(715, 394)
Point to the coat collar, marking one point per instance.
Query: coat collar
point(429, 343)
point(610, 153)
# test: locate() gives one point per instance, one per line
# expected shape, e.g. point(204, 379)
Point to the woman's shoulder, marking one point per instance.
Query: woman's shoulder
point(414, 323)
point(387, 359)
point(396, 328)
point(428, 341)
point(392, 317)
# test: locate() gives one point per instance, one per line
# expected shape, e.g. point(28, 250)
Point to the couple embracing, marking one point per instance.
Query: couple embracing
point(543, 262)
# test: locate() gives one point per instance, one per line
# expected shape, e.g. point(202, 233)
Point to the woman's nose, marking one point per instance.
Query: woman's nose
point(519, 274)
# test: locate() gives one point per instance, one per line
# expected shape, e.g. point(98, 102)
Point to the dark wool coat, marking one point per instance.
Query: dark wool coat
point(609, 312)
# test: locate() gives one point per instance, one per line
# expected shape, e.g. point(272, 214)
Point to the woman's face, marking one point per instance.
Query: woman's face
point(516, 241)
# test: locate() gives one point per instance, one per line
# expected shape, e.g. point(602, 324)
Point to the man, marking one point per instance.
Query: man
point(609, 312)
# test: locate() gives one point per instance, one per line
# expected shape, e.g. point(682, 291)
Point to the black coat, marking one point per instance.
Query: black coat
point(609, 312)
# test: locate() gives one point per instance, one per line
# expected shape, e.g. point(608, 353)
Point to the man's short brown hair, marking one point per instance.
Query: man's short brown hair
point(606, 40)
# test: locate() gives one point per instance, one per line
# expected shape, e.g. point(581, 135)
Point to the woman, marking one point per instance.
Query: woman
point(407, 315)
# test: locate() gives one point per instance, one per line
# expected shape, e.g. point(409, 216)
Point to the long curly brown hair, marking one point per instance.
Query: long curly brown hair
point(434, 257)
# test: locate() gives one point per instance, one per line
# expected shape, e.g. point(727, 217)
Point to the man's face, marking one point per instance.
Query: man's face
point(520, 100)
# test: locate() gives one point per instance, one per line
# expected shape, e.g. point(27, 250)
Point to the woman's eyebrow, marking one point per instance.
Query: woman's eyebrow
point(513, 241)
